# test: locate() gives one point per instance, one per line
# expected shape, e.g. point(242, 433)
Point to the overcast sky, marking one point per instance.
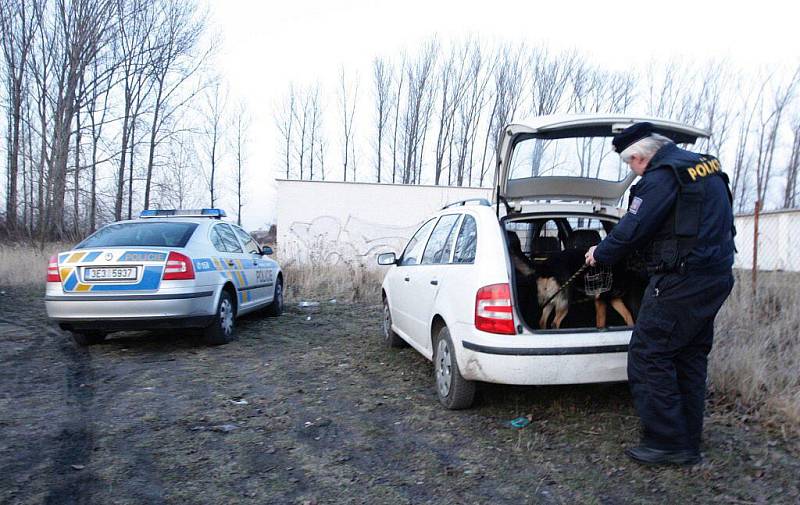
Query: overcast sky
point(265, 45)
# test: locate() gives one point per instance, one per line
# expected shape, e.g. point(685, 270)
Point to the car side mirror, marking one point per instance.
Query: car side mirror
point(266, 251)
point(387, 259)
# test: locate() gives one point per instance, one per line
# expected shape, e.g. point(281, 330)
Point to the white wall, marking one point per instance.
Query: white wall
point(344, 221)
point(778, 238)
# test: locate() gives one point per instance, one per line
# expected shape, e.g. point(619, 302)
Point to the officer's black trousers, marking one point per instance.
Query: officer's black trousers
point(668, 356)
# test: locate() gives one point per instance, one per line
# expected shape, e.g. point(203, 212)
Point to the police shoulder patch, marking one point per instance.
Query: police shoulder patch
point(633, 208)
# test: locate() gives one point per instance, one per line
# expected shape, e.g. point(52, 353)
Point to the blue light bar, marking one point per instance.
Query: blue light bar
point(212, 213)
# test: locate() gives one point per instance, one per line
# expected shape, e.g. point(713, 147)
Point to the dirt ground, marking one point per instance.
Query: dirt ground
point(303, 410)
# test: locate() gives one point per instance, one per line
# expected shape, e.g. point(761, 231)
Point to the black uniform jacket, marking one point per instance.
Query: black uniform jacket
point(650, 208)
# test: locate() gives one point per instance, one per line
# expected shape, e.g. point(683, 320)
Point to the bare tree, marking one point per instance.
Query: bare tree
point(99, 98)
point(79, 32)
point(176, 183)
point(347, 98)
point(452, 87)
point(382, 79)
point(315, 117)
point(240, 127)
point(284, 119)
point(396, 104)
point(792, 167)
point(669, 89)
point(418, 108)
point(771, 115)
point(510, 78)
point(320, 153)
point(549, 83)
point(133, 23)
point(18, 25)
point(301, 119)
point(172, 64)
point(479, 74)
point(84, 78)
point(214, 118)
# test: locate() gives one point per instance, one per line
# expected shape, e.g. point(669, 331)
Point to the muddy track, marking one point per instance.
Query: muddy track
point(310, 408)
point(75, 437)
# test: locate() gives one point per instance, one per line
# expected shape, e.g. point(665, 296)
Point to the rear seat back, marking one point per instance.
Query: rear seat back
point(543, 247)
point(584, 239)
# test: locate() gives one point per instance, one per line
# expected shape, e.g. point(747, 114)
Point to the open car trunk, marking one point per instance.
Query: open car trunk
point(569, 158)
point(550, 247)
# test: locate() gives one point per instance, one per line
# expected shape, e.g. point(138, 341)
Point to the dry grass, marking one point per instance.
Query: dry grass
point(345, 282)
point(755, 363)
point(24, 265)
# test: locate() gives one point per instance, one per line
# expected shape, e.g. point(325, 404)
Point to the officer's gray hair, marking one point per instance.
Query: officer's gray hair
point(645, 148)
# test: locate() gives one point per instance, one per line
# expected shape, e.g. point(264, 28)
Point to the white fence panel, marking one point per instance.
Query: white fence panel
point(778, 238)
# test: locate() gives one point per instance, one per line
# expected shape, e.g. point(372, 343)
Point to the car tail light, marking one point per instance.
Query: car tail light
point(493, 311)
point(179, 267)
point(52, 270)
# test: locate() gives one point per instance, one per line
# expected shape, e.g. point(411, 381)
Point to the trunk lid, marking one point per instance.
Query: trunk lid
point(111, 270)
point(570, 158)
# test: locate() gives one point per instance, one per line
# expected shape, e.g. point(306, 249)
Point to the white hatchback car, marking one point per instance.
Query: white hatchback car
point(455, 296)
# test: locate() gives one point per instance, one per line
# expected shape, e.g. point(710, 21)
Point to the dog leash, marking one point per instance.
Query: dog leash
point(563, 286)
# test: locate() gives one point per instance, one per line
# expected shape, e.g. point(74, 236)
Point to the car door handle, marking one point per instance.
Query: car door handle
point(435, 282)
point(230, 262)
point(406, 279)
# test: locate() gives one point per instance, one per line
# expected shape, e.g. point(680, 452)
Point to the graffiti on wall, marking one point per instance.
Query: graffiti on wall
point(331, 240)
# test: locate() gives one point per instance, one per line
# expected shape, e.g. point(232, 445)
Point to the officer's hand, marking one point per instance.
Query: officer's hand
point(590, 256)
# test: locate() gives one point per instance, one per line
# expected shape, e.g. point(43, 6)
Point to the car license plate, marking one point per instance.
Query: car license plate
point(110, 274)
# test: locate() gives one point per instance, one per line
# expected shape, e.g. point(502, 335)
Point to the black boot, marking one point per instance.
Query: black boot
point(649, 456)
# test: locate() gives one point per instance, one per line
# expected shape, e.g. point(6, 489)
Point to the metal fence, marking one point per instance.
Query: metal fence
point(773, 248)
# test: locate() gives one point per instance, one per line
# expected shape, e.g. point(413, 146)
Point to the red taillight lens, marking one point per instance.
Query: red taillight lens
point(179, 267)
point(52, 270)
point(493, 310)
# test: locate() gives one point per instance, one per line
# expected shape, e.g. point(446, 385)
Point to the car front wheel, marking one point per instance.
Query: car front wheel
point(390, 338)
point(453, 390)
point(275, 308)
point(223, 329)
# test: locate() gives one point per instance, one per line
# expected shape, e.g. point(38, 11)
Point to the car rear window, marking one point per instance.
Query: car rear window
point(590, 157)
point(152, 234)
point(465, 244)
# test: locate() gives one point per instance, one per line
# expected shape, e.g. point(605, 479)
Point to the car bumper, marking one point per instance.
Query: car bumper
point(164, 309)
point(576, 358)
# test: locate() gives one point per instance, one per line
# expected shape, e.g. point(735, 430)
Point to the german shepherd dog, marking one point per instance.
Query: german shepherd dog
point(558, 269)
point(551, 274)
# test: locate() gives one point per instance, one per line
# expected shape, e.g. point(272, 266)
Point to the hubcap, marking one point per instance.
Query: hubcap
point(226, 316)
point(279, 295)
point(444, 365)
point(387, 320)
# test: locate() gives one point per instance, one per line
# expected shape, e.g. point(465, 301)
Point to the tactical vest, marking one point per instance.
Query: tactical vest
point(668, 253)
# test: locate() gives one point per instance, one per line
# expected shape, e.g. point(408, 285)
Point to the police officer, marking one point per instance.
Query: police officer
point(680, 218)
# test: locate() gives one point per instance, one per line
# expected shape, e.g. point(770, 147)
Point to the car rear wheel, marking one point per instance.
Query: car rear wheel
point(390, 338)
point(453, 390)
point(85, 338)
point(275, 308)
point(223, 329)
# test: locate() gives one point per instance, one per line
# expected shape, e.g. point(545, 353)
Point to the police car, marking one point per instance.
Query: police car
point(167, 269)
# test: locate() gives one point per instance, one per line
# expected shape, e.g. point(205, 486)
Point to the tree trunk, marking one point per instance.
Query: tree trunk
point(121, 172)
point(152, 150)
point(130, 165)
